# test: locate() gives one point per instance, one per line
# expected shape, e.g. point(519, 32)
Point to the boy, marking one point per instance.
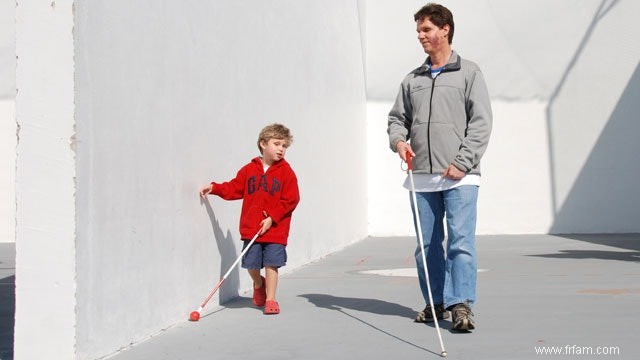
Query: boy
point(269, 189)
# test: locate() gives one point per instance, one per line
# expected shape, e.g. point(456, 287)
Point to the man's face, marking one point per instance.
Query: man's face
point(431, 37)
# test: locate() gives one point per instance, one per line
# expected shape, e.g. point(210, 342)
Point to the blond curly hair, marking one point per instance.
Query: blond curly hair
point(275, 131)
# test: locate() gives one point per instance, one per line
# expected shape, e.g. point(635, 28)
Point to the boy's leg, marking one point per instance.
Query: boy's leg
point(273, 256)
point(252, 261)
point(259, 287)
point(256, 277)
point(271, 277)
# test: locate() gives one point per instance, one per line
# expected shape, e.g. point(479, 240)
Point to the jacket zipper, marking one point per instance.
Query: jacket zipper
point(433, 86)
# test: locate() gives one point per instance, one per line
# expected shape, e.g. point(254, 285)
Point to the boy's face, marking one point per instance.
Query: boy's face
point(273, 150)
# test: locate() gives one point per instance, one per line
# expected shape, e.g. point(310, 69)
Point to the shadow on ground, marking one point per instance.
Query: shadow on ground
point(621, 241)
point(374, 306)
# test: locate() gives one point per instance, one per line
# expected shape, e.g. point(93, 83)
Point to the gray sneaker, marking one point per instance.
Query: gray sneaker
point(462, 318)
point(425, 315)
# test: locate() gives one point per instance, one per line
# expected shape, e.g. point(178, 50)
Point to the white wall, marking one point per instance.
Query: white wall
point(7, 121)
point(593, 121)
point(7, 49)
point(45, 187)
point(560, 129)
point(171, 95)
point(7, 170)
point(140, 103)
point(389, 209)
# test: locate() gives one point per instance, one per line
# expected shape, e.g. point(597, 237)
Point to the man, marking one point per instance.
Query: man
point(442, 119)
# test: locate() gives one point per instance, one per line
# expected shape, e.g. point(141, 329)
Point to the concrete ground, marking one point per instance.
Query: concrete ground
point(576, 294)
point(569, 296)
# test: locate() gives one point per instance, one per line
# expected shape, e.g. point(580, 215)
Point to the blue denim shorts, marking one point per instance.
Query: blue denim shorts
point(264, 254)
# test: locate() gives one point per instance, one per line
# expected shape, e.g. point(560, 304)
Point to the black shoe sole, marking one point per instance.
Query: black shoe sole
point(443, 316)
point(464, 325)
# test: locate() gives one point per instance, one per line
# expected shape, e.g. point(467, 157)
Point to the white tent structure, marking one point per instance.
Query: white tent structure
point(125, 108)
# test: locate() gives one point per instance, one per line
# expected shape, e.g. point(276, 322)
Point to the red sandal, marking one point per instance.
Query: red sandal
point(260, 294)
point(271, 307)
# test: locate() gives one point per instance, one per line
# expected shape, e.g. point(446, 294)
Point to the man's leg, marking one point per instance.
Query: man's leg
point(431, 211)
point(461, 264)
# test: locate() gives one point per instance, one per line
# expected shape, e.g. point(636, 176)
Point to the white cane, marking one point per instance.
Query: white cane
point(195, 315)
point(414, 203)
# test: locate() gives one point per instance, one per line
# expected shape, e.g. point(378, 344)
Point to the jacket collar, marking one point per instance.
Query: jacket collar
point(258, 162)
point(452, 65)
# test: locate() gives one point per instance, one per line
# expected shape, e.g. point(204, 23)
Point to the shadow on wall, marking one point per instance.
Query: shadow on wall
point(605, 194)
point(228, 255)
point(603, 197)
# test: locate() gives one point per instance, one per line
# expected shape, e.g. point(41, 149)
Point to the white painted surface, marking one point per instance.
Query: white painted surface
point(7, 121)
point(7, 51)
point(514, 195)
point(497, 34)
point(172, 95)
point(45, 325)
point(168, 96)
point(594, 122)
point(563, 148)
point(389, 207)
point(499, 212)
point(8, 170)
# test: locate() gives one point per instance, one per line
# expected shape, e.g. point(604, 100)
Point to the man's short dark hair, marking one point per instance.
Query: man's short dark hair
point(438, 15)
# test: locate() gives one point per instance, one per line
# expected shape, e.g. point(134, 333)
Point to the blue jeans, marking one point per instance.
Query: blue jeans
point(452, 275)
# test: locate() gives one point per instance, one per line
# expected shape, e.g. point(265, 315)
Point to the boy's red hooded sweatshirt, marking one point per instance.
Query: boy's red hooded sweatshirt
point(274, 192)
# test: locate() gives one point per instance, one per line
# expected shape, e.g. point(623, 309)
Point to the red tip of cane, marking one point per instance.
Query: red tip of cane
point(408, 157)
point(194, 316)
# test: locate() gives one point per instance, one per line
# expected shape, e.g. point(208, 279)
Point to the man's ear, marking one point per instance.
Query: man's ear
point(446, 28)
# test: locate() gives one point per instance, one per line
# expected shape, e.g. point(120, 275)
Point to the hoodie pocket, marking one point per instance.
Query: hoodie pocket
point(419, 99)
point(254, 216)
point(445, 143)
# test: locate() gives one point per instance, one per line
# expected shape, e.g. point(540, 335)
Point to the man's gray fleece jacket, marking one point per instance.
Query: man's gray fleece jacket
point(447, 119)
